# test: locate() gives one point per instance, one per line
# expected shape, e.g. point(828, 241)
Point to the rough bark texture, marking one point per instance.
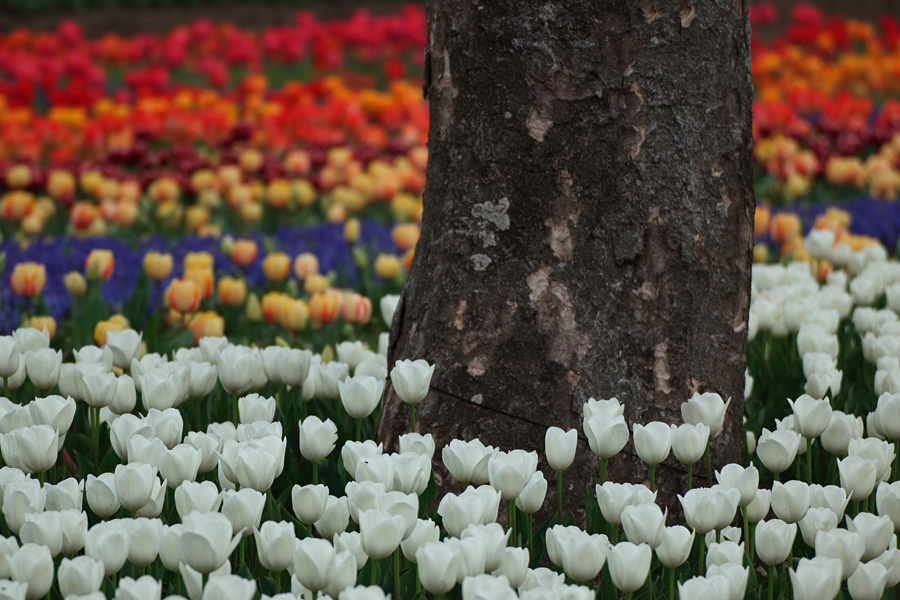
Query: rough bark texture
point(587, 224)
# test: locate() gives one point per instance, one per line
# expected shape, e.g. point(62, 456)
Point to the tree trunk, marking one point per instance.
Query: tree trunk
point(587, 222)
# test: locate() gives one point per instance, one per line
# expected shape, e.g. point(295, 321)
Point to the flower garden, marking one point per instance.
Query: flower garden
point(204, 235)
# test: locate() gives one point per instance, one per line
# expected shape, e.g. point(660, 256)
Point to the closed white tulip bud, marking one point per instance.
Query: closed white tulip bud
point(467, 461)
point(705, 588)
point(857, 476)
point(74, 527)
point(10, 475)
point(229, 587)
point(868, 581)
point(33, 564)
point(145, 364)
point(21, 497)
point(411, 380)
point(317, 438)
point(16, 380)
point(438, 567)
point(166, 424)
point(205, 542)
point(735, 576)
point(125, 346)
point(777, 450)
point(725, 552)
point(168, 547)
point(125, 397)
point(486, 586)
point(67, 494)
point(582, 555)
point(335, 518)
point(107, 542)
point(243, 509)
point(363, 495)
point(207, 445)
point(202, 379)
point(880, 452)
point(196, 495)
point(614, 497)
point(309, 502)
point(9, 356)
point(887, 412)
point(675, 546)
point(817, 578)
point(362, 592)
point(236, 366)
point(142, 588)
point(689, 442)
point(211, 346)
point(42, 528)
point(30, 338)
point(360, 395)
point(134, 483)
point(701, 509)
point(380, 532)
point(774, 540)
point(159, 390)
point(250, 467)
point(831, 497)
point(471, 554)
point(32, 449)
point(348, 541)
point(95, 389)
point(744, 480)
point(531, 498)
point(143, 540)
point(644, 524)
point(56, 411)
point(875, 532)
point(401, 504)
point(8, 547)
point(293, 366)
point(343, 574)
point(179, 464)
point(42, 367)
point(890, 560)
point(508, 472)
point(388, 305)
point(80, 575)
point(609, 407)
point(424, 532)
point(559, 446)
point(708, 408)
point(811, 416)
point(821, 384)
point(841, 429)
point(887, 501)
point(653, 441)
point(421, 445)
point(154, 505)
point(275, 543)
point(254, 408)
point(790, 500)
point(606, 435)
point(473, 505)
point(352, 452)
point(145, 449)
point(815, 521)
point(844, 545)
point(629, 565)
point(351, 353)
point(513, 565)
point(313, 563)
point(493, 541)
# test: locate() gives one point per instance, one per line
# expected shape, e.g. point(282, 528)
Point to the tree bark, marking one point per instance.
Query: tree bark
point(587, 225)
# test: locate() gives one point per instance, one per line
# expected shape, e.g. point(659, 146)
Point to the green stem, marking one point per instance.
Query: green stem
point(559, 506)
point(628, 596)
point(315, 467)
point(603, 464)
point(690, 477)
point(235, 411)
point(412, 418)
point(709, 477)
point(358, 430)
point(671, 584)
point(277, 577)
point(701, 555)
point(94, 414)
point(530, 520)
point(809, 461)
point(747, 537)
point(397, 573)
point(652, 478)
point(511, 521)
point(373, 579)
point(418, 582)
point(771, 582)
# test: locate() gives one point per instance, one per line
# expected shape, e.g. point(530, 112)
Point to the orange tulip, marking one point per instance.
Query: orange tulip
point(232, 292)
point(387, 266)
point(43, 322)
point(271, 306)
point(198, 260)
point(207, 324)
point(99, 265)
point(158, 266)
point(28, 279)
point(203, 278)
point(323, 307)
point(356, 308)
point(244, 252)
point(406, 235)
point(277, 266)
point(16, 205)
point(183, 295)
point(294, 314)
